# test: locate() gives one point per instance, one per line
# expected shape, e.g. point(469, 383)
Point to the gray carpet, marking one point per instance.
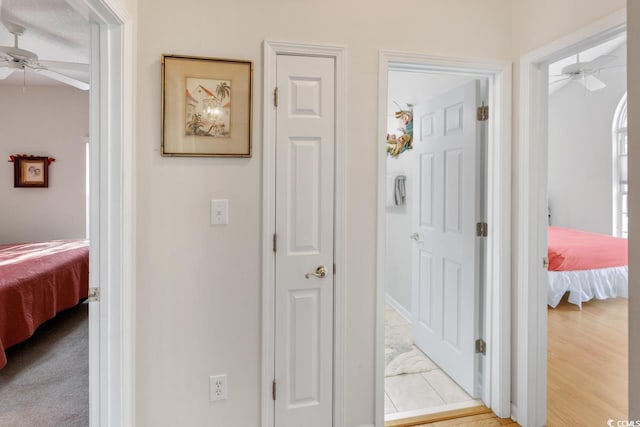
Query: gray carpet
point(46, 380)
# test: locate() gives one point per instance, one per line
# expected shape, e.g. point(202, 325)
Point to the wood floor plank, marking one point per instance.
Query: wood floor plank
point(429, 419)
point(587, 363)
point(488, 419)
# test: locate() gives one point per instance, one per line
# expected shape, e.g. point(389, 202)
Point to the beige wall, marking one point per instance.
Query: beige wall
point(44, 121)
point(198, 287)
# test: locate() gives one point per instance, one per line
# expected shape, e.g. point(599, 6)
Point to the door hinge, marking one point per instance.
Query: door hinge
point(334, 268)
point(275, 97)
point(483, 113)
point(94, 294)
point(275, 242)
point(273, 390)
point(545, 263)
point(482, 229)
point(481, 346)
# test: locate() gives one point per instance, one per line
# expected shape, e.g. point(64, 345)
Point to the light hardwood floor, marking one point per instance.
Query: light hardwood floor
point(587, 363)
point(478, 416)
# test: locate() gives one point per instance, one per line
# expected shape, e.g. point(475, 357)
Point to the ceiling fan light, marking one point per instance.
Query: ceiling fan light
point(592, 83)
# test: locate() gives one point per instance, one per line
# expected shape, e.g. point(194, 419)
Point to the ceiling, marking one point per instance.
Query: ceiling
point(606, 48)
point(55, 31)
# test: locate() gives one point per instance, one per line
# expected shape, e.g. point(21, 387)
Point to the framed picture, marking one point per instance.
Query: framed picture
point(31, 172)
point(206, 106)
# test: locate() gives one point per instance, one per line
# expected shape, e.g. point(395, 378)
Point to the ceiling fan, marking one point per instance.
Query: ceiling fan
point(14, 58)
point(583, 72)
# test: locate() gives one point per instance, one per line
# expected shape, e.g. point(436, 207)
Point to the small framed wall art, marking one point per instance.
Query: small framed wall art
point(206, 106)
point(30, 171)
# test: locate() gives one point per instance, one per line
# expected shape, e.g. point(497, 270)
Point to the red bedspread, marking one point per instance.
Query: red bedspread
point(38, 280)
point(571, 250)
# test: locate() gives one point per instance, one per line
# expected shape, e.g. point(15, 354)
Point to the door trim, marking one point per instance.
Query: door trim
point(112, 214)
point(270, 51)
point(531, 309)
point(497, 390)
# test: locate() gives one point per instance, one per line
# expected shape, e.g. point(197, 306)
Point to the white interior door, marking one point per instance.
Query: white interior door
point(305, 137)
point(445, 282)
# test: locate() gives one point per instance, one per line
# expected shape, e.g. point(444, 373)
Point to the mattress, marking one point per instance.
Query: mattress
point(38, 280)
point(587, 265)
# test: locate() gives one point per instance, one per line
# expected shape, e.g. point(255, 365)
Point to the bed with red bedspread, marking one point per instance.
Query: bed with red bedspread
point(587, 265)
point(37, 281)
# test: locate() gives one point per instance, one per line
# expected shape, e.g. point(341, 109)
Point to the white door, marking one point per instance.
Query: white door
point(447, 205)
point(305, 137)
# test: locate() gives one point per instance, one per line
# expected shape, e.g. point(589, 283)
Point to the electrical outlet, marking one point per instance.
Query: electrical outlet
point(218, 387)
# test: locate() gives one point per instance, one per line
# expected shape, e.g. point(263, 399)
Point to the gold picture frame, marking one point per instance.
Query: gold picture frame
point(206, 106)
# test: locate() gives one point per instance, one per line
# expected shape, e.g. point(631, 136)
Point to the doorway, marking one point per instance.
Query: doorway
point(395, 294)
point(428, 367)
point(111, 213)
point(587, 63)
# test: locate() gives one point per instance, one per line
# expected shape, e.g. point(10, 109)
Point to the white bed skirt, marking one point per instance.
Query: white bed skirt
point(584, 285)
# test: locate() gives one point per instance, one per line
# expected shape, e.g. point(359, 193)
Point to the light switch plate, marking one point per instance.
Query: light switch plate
point(219, 212)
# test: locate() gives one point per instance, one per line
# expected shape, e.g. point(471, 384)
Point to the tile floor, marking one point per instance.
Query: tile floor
point(412, 381)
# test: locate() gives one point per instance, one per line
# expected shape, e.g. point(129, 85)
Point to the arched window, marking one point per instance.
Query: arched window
point(620, 185)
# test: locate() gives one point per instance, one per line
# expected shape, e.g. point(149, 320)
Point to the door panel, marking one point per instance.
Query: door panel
point(305, 129)
point(445, 280)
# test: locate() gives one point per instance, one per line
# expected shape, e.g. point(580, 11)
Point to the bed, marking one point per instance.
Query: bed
point(587, 265)
point(37, 281)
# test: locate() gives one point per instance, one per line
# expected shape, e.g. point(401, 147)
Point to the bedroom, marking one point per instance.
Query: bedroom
point(588, 273)
point(43, 228)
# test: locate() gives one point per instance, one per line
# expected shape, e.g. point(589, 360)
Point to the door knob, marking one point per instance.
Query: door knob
point(415, 236)
point(319, 273)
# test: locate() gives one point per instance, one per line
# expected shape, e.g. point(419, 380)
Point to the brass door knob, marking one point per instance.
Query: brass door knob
point(319, 273)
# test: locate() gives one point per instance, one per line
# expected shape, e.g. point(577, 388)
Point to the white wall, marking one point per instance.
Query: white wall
point(407, 88)
point(198, 287)
point(44, 121)
point(580, 151)
point(633, 99)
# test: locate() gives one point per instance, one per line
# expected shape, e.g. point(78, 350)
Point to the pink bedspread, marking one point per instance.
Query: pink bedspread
point(571, 250)
point(38, 280)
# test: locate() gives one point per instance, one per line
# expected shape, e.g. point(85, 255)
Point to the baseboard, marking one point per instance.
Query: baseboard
point(398, 307)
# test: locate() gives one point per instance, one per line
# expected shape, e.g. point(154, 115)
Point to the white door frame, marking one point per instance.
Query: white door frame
point(111, 212)
point(496, 392)
point(531, 309)
point(270, 52)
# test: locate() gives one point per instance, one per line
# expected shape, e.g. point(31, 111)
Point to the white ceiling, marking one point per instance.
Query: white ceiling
point(55, 31)
point(606, 48)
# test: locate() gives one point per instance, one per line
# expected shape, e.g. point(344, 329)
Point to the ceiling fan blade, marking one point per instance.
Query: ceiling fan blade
point(68, 66)
point(599, 62)
point(62, 78)
point(6, 72)
point(560, 80)
point(592, 83)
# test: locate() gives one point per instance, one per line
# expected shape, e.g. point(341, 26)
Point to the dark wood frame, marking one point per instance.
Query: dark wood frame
point(19, 172)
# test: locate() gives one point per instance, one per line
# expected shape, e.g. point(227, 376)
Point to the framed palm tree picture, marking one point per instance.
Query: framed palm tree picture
point(206, 106)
